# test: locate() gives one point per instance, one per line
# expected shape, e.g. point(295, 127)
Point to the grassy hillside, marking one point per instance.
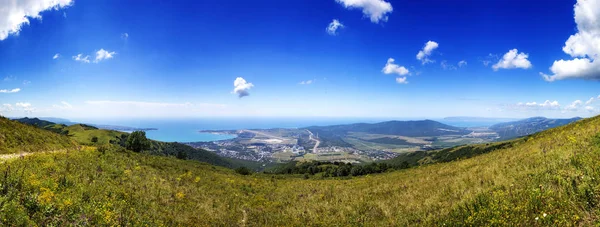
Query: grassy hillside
point(548, 179)
point(417, 158)
point(83, 134)
point(16, 137)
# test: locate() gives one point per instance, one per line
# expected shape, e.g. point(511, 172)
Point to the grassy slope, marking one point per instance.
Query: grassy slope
point(83, 134)
point(554, 173)
point(16, 137)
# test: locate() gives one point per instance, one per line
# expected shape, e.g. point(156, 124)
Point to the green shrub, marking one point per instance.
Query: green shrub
point(243, 171)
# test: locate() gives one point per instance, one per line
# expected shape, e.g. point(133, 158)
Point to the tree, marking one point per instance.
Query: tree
point(243, 171)
point(137, 141)
point(94, 139)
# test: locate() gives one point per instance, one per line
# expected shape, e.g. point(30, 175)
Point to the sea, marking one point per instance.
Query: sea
point(188, 130)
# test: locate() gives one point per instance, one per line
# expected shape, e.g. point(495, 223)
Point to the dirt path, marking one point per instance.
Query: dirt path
point(6, 157)
point(316, 140)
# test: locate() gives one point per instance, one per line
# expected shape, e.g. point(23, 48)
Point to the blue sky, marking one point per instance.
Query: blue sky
point(175, 59)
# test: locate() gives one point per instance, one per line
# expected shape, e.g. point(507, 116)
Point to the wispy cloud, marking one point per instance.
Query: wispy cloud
point(8, 78)
point(333, 27)
point(10, 91)
point(401, 80)
point(25, 107)
point(574, 106)
point(119, 108)
point(63, 106)
point(447, 66)
point(56, 56)
point(81, 58)
point(306, 82)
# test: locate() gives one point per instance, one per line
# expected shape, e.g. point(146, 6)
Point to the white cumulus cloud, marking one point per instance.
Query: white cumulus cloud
point(10, 91)
point(540, 106)
point(574, 105)
point(16, 13)
point(241, 87)
point(56, 56)
point(512, 60)
point(391, 68)
point(103, 55)
point(424, 54)
point(334, 26)
point(376, 10)
point(584, 46)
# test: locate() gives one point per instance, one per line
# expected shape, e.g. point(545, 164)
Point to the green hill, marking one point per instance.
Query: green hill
point(16, 138)
point(550, 178)
point(35, 122)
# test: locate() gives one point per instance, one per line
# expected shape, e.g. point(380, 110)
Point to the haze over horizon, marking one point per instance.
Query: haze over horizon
point(388, 59)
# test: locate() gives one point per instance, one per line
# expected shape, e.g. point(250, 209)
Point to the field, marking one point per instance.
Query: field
point(548, 179)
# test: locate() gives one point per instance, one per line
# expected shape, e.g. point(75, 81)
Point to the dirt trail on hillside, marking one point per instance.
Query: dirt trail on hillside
point(6, 157)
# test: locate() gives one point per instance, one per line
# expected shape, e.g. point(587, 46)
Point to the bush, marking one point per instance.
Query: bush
point(243, 171)
point(94, 139)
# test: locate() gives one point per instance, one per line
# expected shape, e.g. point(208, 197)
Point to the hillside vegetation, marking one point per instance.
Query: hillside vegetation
point(86, 135)
point(16, 138)
point(548, 179)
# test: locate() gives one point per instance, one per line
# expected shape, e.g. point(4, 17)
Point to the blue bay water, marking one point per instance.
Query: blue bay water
point(187, 130)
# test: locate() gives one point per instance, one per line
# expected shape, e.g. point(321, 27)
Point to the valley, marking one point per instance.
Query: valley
point(352, 144)
point(361, 142)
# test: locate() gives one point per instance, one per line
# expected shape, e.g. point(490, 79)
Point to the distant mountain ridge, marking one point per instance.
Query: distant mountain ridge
point(35, 122)
point(399, 128)
point(332, 135)
point(514, 129)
